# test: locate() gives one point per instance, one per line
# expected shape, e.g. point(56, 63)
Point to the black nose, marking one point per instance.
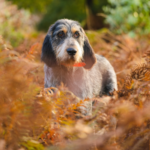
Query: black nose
point(71, 51)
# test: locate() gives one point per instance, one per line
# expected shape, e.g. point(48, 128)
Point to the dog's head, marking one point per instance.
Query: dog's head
point(66, 43)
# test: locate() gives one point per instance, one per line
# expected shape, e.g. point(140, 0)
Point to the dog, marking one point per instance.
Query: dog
point(70, 59)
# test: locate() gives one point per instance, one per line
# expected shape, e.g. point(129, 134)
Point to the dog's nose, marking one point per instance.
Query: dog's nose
point(71, 51)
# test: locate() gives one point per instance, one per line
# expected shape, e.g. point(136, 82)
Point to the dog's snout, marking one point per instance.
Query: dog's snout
point(71, 51)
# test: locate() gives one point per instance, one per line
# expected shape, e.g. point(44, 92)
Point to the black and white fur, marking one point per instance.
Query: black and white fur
point(96, 78)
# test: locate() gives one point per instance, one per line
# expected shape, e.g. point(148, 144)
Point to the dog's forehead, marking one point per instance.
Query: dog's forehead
point(66, 24)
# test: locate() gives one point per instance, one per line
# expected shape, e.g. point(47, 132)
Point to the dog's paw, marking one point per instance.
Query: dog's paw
point(50, 91)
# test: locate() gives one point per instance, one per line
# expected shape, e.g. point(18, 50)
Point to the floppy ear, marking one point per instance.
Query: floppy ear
point(89, 56)
point(48, 55)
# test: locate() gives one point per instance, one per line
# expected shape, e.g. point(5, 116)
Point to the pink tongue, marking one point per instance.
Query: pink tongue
point(81, 64)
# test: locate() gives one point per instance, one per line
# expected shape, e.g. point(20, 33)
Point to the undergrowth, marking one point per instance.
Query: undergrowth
point(32, 117)
point(16, 25)
point(35, 118)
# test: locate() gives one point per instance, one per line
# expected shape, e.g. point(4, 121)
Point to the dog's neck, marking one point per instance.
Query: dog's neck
point(69, 76)
point(67, 73)
point(65, 70)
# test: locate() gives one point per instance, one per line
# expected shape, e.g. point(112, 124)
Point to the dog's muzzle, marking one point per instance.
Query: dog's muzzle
point(71, 51)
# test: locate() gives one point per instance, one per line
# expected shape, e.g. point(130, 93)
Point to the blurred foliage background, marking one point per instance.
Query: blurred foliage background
point(129, 16)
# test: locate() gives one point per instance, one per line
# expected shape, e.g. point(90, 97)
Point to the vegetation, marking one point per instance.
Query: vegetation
point(34, 118)
point(77, 10)
point(16, 25)
point(126, 16)
point(65, 9)
point(33, 6)
point(122, 16)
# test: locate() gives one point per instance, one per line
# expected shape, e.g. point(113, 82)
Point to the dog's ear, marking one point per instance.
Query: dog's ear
point(48, 55)
point(89, 56)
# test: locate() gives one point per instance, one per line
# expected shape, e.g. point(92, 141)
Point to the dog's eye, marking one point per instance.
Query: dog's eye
point(76, 34)
point(61, 34)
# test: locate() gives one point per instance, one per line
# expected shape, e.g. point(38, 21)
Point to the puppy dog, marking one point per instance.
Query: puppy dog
point(70, 59)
